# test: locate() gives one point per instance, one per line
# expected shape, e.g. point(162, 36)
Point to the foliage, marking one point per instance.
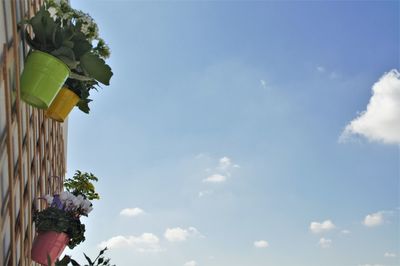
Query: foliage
point(62, 12)
point(65, 208)
point(81, 184)
point(100, 260)
point(82, 89)
point(71, 36)
point(54, 219)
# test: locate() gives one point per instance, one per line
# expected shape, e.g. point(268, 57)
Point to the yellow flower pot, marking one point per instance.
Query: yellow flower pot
point(62, 105)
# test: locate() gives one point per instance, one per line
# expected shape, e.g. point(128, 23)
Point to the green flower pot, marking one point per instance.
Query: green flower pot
point(42, 78)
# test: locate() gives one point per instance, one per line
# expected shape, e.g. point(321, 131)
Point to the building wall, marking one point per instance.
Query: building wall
point(32, 147)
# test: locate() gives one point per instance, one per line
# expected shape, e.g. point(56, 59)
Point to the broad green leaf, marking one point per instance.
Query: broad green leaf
point(68, 44)
point(82, 45)
point(43, 26)
point(65, 52)
point(70, 63)
point(96, 68)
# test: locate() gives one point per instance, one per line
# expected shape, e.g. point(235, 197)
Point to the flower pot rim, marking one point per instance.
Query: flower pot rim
point(69, 88)
point(52, 57)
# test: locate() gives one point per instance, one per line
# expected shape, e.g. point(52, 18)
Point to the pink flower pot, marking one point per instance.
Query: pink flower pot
point(48, 243)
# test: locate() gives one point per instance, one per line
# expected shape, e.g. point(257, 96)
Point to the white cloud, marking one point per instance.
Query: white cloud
point(261, 244)
point(147, 242)
point(370, 265)
point(325, 243)
point(204, 193)
point(263, 83)
point(325, 226)
point(381, 121)
point(178, 234)
point(345, 232)
point(320, 69)
point(222, 171)
point(373, 219)
point(190, 263)
point(390, 255)
point(224, 163)
point(215, 178)
point(131, 212)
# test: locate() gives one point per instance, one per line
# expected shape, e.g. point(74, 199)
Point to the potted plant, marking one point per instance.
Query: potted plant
point(59, 225)
point(58, 49)
point(76, 89)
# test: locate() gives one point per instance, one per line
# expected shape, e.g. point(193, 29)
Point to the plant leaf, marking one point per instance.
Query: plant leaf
point(74, 263)
point(82, 46)
point(48, 260)
point(76, 76)
point(43, 25)
point(88, 259)
point(96, 68)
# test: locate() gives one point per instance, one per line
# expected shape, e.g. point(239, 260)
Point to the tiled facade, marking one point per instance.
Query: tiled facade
point(32, 147)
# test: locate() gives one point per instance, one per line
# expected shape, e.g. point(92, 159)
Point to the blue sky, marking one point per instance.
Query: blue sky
point(236, 128)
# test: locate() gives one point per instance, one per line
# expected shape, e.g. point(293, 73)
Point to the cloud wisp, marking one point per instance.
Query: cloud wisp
point(131, 212)
point(222, 171)
point(179, 234)
point(324, 242)
point(374, 219)
point(261, 244)
point(381, 120)
point(190, 263)
point(215, 178)
point(325, 226)
point(390, 255)
point(147, 242)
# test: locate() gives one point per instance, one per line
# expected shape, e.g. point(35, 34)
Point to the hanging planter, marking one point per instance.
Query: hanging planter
point(48, 244)
point(42, 78)
point(62, 105)
point(59, 224)
point(62, 48)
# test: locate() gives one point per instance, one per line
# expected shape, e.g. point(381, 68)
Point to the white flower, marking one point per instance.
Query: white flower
point(89, 210)
point(64, 196)
point(86, 204)
point(53, 12)
point(77, 201)
point(49, 199)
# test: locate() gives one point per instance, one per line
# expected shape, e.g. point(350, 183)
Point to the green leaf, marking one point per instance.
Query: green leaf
point(96, 68)
point(68, 61)
point(68, 44)
point(33, 44)
point(66, 54)
point(81, 45)
point(64, 261)
point(48, 260)
point(74, 263)
point(43, 25)
point(83, 105)
point(64, 51)
point(88, 259)
point(102, 251)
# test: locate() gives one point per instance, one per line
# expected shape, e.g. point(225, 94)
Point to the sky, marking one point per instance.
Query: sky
point(244, 133)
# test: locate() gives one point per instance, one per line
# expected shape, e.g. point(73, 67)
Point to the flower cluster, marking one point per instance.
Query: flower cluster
point(88, 26)
point(68, 202)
